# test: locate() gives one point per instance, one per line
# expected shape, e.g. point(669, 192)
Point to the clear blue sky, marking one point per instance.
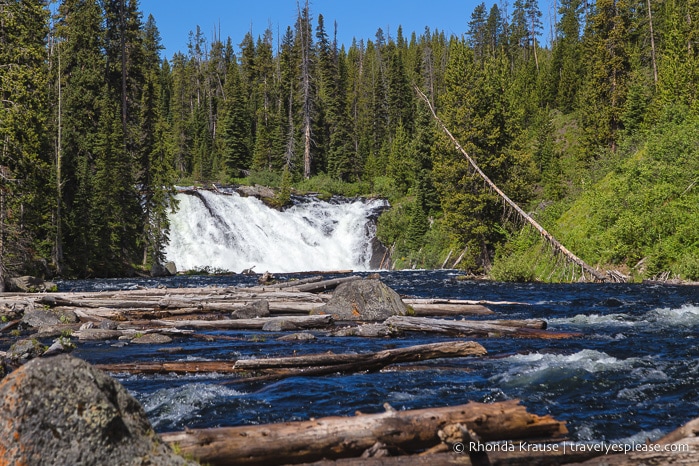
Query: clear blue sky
point(355, 18)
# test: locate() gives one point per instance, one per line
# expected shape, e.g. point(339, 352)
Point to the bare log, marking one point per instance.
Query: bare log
point(296, 283)
point(471, 328)
point(309, 363)
point(450, 310)
point(341, 437)
point(450, 349)
point(317, 321)
point(555, 244)
point(326, 284)
point(481, 302)
point(10, 325)
point(176, 367)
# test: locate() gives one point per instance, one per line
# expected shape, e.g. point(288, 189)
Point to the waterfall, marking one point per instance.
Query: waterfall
point(233, 233)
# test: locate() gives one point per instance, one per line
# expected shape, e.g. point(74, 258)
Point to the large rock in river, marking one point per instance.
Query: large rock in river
point(368, 299)
point(61, 410)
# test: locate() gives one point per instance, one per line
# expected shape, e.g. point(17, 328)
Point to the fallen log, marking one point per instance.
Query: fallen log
point(10, 325)
point(341, 437)
point(296, 283)
point(309, 363)
point(480, 302)
point(472, 328)
point(449, 309)
point(326, 284)
point(366, 361)
point(175, 367)
point(316, 321)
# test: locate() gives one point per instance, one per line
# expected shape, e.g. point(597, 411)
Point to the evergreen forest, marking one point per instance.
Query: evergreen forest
point(591, 124)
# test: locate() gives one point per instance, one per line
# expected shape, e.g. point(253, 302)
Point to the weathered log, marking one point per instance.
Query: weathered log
point(326, 284)
point(10, 325)
point(471, 328)
point(450, 309)
point(309, 363)
point(176, 367)
point(248, 324)
point(338, 437)
point(366, 361)
point(296, 283)
point(480, 302)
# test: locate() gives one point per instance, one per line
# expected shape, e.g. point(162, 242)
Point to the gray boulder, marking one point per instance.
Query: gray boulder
point(368, 299)
point(171, 268)
point(278, 325)
point(61, 410)
point(24, 350)
point(29, 284)
point(167, 269)
point(40, 318)
point(258, 308)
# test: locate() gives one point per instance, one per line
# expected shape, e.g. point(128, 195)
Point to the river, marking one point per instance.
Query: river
point(632, 375)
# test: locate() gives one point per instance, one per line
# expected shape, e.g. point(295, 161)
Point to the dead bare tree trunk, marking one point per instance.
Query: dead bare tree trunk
point(652, 44)
point(305, 37)
point(555, 244)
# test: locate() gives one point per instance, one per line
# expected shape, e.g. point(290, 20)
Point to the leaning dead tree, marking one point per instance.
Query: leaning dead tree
point(553, 242)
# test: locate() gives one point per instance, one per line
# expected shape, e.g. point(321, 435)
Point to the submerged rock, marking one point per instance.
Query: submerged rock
point(61, 410)
point(302, 336)
point(152, 339)
point(368, 299)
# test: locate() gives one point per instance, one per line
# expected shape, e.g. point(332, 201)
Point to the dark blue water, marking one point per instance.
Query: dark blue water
point(632, 375)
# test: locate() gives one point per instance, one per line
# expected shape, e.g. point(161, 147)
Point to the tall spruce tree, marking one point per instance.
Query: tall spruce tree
point(156, 174)
point(83, 64)
point(567, 56)
point(235, 125)
point(25, 166)
point(606, 84)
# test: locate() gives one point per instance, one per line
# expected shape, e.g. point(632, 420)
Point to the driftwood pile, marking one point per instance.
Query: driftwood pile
point(435, 436)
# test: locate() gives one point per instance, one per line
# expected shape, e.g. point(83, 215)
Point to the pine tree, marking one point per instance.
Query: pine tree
point(304, 45)
point(607, 55)
point(25, 206)
point(235, 131)
point(81, 35)
point(157, 167)
point(268, 145)
point(477, 33)
point(567, 56)
point(476, 107)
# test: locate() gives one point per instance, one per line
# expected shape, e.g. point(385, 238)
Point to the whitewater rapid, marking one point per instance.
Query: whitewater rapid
point(233, 233)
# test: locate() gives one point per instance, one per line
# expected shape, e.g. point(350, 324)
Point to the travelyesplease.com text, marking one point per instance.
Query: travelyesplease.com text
point(570, 447)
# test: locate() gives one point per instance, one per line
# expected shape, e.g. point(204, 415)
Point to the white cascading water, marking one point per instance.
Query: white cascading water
point(234, 233)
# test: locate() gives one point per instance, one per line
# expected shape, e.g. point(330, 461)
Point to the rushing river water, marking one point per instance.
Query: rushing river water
point(632, 375)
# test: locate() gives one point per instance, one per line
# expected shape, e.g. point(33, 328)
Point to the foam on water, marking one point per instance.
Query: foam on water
point(542, 368)
point(233, 233)
point(182, 404)
point(685, 316)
